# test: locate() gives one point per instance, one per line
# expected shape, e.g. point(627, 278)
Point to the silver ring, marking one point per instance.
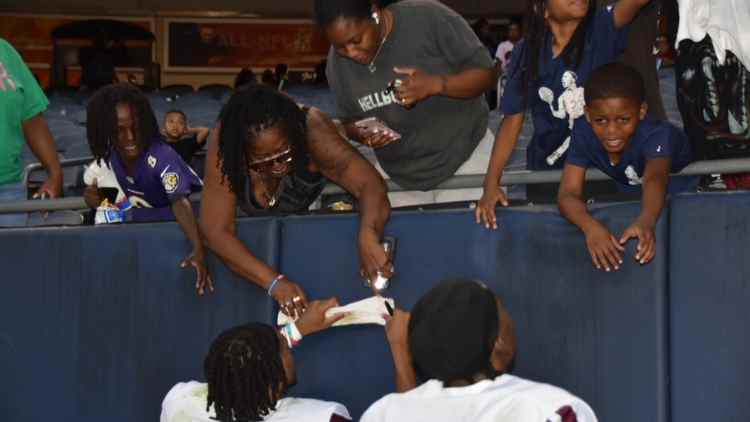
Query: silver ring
point(296, 299)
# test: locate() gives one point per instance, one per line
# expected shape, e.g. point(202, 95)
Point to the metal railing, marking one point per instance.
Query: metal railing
point(35, 167)
point(525, 177)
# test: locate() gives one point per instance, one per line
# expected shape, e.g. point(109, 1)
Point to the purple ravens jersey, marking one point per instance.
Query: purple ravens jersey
point(161, 177)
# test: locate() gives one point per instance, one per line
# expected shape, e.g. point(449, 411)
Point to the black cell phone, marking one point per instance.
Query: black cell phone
point(109, 193)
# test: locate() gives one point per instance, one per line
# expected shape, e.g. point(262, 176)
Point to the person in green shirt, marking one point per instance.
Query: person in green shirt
point(22, 102)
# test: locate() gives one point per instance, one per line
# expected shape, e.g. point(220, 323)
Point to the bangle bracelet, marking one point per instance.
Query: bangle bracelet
point(274, 282)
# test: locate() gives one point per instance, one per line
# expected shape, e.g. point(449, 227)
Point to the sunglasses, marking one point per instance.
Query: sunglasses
point(266, 164)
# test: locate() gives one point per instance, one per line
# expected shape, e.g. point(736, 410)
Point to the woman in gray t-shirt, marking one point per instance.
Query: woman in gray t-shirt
point(435, 107)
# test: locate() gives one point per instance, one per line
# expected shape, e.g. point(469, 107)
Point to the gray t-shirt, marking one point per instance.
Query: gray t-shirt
point(438, 134)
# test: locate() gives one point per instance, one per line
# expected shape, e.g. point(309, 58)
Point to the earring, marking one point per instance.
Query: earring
point(376, 18)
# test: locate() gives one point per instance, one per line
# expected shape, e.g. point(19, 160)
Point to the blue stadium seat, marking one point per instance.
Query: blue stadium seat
point(176, 90)
point(216, 91)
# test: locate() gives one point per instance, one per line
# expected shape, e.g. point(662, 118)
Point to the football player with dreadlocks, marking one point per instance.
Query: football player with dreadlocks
point(248, 372)
point(123, 134)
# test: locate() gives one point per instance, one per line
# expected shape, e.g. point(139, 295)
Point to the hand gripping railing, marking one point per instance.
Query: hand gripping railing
point(728, 166)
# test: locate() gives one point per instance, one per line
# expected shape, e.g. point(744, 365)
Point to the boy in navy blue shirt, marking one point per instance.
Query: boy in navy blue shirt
point(639, 154)
point(564, 41)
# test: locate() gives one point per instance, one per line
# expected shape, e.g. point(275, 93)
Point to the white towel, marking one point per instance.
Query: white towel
point(726, 21)
point(367, 311)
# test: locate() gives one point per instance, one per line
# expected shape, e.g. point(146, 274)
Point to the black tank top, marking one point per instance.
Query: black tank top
point(300, 189)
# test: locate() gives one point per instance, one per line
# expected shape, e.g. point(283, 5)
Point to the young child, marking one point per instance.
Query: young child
point(184, 139)
point(564, 41)
point(638, 153)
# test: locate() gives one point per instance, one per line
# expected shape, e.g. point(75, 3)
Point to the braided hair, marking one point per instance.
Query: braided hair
point(101, 118)
point(245, 374)
point(535, 34)
point(250, 111)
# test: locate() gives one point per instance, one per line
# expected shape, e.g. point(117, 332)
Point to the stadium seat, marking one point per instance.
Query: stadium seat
point(216, 91)
point(176, 90)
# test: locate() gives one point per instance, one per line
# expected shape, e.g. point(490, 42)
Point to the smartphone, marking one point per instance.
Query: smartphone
point(372, 124)
point(389, 245)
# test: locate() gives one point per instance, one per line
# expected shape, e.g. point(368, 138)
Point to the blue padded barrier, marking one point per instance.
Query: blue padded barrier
point(98, 323)
point(710, 298)
point(600, 335)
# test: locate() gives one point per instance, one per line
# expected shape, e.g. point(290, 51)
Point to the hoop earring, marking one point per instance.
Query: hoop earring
point(376, 18)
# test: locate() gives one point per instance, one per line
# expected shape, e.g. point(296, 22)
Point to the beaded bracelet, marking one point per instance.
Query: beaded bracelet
point(274, 282)
point(291, 334)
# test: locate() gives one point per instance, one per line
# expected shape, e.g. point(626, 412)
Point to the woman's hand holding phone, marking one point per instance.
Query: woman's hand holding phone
point(376, 134)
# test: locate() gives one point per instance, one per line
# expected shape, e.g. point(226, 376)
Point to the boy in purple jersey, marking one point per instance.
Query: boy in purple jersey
point(122, 131)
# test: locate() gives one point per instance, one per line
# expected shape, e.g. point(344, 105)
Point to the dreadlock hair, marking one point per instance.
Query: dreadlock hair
point(535, 33)
point(244, 372)
point(250, 111)
point(101, 118)
point(615, 80)
point(327, 11)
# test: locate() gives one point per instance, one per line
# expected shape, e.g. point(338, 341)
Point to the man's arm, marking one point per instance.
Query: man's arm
point(655, 181)
point(602, 245)
point(627, 10)
point(397, 332)
point(40, 141)
point(183, 213)
point(406, 376)
point(343, 165)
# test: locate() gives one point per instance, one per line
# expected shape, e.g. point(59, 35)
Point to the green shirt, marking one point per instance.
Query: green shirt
point(21, 98)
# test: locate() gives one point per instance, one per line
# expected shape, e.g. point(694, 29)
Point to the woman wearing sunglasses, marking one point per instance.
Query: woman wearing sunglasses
point(269, 156)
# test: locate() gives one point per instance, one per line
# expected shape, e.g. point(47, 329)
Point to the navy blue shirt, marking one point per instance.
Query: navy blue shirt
point(603, 44)
point(652, 139)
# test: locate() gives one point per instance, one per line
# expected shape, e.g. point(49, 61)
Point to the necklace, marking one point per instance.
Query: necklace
point(273, 198)
point(372, 66)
